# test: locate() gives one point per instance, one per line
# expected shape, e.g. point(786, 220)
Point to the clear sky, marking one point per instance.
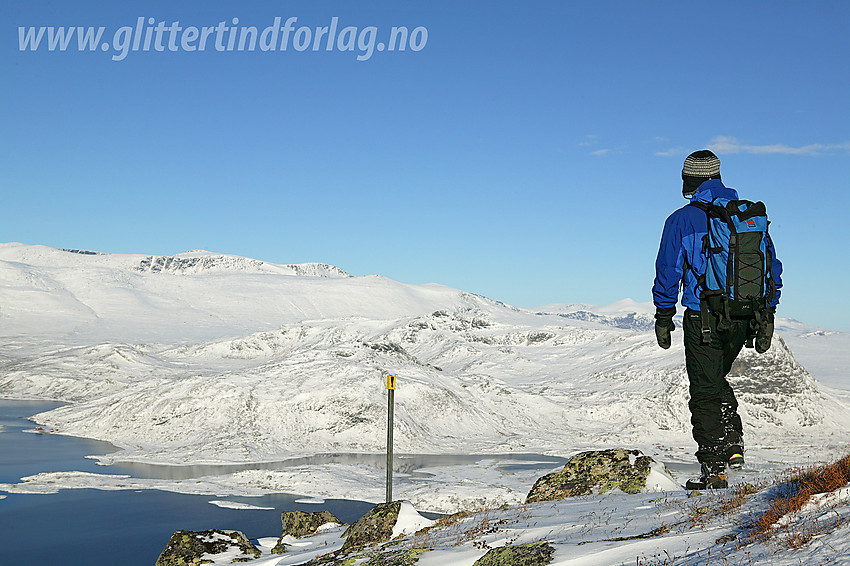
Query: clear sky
point(526, 151)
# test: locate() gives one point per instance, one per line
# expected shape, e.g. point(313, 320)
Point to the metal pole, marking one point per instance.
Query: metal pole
point(390, 404)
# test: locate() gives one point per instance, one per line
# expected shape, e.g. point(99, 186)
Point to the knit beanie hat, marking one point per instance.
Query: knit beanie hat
point(702, 163)
point(699, 167)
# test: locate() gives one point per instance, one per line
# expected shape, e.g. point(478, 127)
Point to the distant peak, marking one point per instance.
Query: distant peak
point(317, 270)
point(187, 264)
point(201, 261)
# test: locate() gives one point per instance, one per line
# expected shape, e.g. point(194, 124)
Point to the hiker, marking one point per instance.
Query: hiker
point(715, 327)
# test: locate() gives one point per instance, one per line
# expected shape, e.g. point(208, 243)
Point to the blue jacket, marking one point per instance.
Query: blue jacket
point(681, 242)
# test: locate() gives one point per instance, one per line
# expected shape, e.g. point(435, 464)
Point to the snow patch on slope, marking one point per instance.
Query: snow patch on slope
point(409, 521)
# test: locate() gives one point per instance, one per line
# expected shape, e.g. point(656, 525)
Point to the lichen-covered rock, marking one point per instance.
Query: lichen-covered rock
point(402, 558)
point(299, 524)
point(534, 554)
point(373, 527)
point(188, 548)
point(598, 471)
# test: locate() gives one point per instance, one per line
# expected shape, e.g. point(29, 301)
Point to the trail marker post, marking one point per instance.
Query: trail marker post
point(390, 404)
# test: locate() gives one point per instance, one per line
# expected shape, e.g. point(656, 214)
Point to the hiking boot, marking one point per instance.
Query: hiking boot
point(735, 456)
point(711, 477)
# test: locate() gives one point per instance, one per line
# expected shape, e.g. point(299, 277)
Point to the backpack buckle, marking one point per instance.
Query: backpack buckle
point(705, 325)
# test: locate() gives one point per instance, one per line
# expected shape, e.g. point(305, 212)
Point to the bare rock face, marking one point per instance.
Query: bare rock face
point(598, 471)
point(776, 387)
point(373, 527)
point(189, 548)
point(299, 524)
point(534, 554)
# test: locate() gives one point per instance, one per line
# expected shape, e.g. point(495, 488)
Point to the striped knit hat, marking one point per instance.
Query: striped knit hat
point(702, 163)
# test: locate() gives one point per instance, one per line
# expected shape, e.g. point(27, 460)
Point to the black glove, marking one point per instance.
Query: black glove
point(764, 330)
point(664, 326)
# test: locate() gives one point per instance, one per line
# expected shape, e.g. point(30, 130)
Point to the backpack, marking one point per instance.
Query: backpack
point(738, 280)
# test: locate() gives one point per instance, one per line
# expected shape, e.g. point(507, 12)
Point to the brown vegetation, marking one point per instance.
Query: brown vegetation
point(793, 494)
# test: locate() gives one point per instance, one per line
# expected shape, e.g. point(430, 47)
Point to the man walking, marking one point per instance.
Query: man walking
point(713, 332)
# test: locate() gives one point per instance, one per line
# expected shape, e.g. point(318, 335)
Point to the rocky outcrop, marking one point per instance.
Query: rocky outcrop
point(373, 527)
point(595, 471)
point(534, 554)
point(189, 548)
point(400, 558)
point(299, 524)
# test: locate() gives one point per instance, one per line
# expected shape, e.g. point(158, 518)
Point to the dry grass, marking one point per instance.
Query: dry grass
point(461, 527)
point(712, 504)
point(792, 494)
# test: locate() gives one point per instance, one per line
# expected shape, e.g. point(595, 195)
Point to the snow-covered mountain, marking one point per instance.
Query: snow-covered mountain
point(626, 313)
point(79, 297)
point(205, 357)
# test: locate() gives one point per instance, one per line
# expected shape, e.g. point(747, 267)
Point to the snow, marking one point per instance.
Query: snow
point(507, 387)
point(605, 530)
point(310, 501)
point(618, 308)
point(659, 479)
point(223, 503)
point(821, 507)
point(209, 358)
point(238, 360)
point(409, 520)
point(327, 539)
point(443, 489)
point(81, 298)
point(823, 352)
point(227, 556)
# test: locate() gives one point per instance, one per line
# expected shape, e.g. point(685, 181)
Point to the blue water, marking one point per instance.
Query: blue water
point(25, 453)
point(85, 527)
point(78, 527)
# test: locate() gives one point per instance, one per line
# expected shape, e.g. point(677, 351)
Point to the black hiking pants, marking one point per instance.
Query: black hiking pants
point(714, 409)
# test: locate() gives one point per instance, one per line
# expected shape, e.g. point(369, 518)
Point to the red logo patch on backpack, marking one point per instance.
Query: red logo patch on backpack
point(751, 223)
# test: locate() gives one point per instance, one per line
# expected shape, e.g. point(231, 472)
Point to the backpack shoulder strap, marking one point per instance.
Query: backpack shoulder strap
point(705, 326)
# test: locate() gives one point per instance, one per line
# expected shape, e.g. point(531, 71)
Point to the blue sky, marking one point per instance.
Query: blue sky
point(528, 151)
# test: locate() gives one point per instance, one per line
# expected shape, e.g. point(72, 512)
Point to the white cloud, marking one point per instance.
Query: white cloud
point(727, 145)
point(589, 139)
point(672, 152)
point(600, 152)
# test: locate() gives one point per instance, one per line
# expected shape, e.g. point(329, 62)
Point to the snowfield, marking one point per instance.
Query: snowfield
point(208, 358)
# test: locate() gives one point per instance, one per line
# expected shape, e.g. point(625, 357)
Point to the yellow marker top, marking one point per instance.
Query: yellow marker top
point(390, 382)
